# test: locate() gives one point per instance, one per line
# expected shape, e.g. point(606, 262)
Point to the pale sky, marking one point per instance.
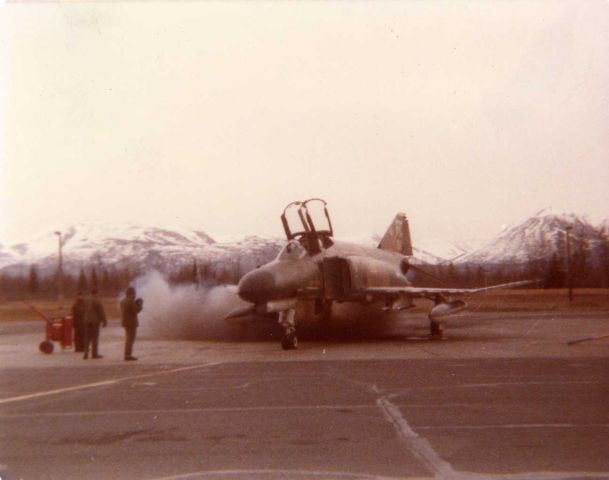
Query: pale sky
point(465, 115)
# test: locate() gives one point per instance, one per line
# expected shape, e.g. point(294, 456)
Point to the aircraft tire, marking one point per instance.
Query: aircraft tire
point(289, 342)
point(435, 330)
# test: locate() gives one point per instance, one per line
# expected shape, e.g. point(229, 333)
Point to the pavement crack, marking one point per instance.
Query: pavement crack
point(419, 446)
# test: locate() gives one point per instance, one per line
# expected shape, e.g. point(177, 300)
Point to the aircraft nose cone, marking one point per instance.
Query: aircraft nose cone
point(256, 286)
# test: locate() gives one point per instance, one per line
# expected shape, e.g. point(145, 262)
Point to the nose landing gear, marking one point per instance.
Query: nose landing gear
point(287, 319)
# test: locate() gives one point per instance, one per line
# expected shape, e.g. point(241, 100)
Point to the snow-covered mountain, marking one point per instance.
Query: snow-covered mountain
point(238, 256)
point(536, 238)
point(427, 250)
point(94, 243)
point(442, 251)
point(424, 250)
point(6, 257)
point(138, 247)
point(135, 246)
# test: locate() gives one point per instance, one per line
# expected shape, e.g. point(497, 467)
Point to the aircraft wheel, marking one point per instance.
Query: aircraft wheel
point(435, 332)
point(289, 342)
point(46, 346)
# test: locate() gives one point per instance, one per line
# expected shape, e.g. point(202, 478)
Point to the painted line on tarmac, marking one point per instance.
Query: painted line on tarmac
point(366, 476)
point(503, 384)
point(101, 384)
point(530, 476)
point(418, 445)
point(514, 426)
point(188, 410)
point(269, 473)
point(423, 450)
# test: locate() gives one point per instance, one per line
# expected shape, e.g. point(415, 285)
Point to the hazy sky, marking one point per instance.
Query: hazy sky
point(465, 115)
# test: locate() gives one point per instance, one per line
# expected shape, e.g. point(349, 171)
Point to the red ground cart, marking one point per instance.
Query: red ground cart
point(58, 329)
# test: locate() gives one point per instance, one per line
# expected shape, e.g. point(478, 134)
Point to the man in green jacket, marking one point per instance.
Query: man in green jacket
point(79, 309)
point(130, 307)
point(94, 316)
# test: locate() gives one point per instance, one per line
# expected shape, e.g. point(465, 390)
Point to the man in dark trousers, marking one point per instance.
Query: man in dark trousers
point(94, 316)
point(130, 307)
point(78, 319)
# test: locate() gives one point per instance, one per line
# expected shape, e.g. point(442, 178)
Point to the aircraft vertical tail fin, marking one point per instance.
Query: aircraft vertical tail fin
point(397, 236)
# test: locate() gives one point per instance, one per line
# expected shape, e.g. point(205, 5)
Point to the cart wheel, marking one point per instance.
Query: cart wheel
point(46, 346)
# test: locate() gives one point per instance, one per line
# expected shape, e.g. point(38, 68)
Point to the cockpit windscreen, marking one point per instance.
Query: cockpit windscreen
point(293, 250)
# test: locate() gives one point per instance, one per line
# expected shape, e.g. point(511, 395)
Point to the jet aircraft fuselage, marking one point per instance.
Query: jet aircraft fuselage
point(295, 273)
point(314, 267)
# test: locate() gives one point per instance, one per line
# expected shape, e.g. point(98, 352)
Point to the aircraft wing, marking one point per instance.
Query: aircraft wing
point(415, 292)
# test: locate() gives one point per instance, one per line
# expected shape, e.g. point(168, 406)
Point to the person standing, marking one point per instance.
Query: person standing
point(130, 307)
point(78, 319)
point(94, 316)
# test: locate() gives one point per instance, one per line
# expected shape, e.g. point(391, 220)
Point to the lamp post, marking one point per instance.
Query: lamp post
point(569, 276)
point(59, 267)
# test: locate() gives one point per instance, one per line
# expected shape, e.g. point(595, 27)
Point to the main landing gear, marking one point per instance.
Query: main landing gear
point(287, 319)
point(441, 308)
point(435, 329)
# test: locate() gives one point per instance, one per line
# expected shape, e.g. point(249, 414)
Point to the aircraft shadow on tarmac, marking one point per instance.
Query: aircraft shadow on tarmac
point(368, 331)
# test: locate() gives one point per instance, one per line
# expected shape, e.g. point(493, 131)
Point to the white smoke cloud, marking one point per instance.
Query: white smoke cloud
point(188, 312)
point(193, 312)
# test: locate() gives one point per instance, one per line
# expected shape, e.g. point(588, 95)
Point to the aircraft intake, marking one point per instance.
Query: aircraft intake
point(446, 308)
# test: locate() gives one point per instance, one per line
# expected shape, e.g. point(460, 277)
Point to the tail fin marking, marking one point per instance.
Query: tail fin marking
point(397, 236)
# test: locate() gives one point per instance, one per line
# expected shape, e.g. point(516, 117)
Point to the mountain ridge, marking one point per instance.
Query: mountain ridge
point(137, 246)
point(538, 237)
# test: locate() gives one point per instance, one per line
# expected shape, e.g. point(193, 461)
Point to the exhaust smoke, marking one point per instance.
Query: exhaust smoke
point(195, 312)
point(186, 312)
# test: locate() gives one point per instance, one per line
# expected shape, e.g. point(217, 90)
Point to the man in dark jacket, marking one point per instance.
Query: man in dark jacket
point(78, 319)
point(94, 316)
point(130, 307)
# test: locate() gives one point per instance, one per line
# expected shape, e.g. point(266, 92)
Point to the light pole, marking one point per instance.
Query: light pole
point(59, 268)
point(569, 276)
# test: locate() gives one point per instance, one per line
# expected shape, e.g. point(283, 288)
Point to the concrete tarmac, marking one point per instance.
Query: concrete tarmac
point(503, 396)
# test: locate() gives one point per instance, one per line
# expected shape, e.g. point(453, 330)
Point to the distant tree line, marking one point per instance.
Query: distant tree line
point(546, 262)
point(110, 281)
point(588, 265)
point(206, 273)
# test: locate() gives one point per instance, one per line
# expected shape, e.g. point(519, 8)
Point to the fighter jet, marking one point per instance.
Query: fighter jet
point(314, 267)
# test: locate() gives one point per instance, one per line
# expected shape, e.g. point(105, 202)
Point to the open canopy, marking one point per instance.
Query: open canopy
point(309, 223)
